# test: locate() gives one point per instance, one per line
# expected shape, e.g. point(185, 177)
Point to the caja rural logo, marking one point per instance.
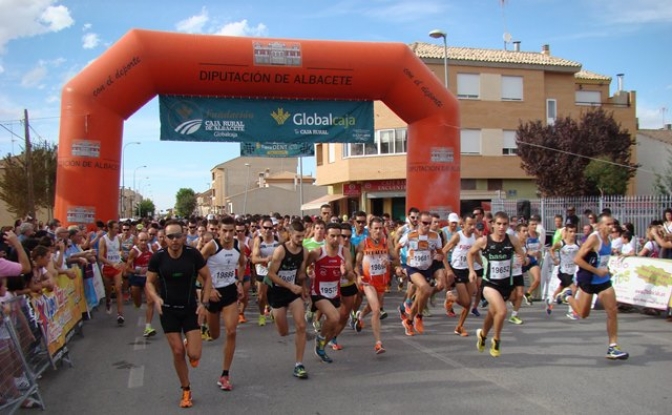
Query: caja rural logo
point(186, 110)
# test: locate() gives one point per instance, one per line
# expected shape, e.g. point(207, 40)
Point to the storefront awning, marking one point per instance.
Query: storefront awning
point(315, 204)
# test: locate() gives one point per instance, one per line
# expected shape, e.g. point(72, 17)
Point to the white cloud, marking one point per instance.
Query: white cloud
point(193, 24)
point(650, 116)
point(33, 77)
point(86, 27)
point(90, 40)
point(635, 12)
point(24, 18)
point(242, 28)
point(2, 69)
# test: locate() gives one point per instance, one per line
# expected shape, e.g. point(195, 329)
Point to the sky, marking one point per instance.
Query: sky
point(44, 43)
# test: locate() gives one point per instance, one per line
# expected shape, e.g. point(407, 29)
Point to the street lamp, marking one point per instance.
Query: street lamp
point(134, 189)
point(247, 187)
point(123, 185)
point(441, 34)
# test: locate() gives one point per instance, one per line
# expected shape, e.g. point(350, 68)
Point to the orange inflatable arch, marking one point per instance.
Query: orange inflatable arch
point(143, 64)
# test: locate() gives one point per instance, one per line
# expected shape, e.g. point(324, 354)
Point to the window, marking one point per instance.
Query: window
point(588, 98)
point(470, 141)
point(512, 88)
point(468, 184)
point(468, 85)
point(318, 154)
point(332, 152)
point(551, 111)
point(495, 184)
point(390, 141)
point(509, 147)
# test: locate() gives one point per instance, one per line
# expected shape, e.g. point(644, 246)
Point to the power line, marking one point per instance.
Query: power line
point(585, 157)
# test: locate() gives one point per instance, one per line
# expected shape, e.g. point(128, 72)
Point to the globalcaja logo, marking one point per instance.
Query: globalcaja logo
point(280, 116)
point(186, 118)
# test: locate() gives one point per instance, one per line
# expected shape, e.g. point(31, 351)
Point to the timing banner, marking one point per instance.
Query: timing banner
point(249, 120)
point(277, 150)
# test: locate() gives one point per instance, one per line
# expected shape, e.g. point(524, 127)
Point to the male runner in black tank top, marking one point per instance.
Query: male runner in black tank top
point(497, 250)
point(287, 272)
point(178, 267)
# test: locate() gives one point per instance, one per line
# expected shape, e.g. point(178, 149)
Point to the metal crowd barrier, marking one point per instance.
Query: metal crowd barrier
point(23, 356)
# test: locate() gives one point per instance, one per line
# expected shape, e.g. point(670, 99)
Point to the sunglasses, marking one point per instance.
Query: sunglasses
point(125, 229)
point(174, 236)
point(426, 223)
point(361, 222)
point(268, 228)
point(346, 236)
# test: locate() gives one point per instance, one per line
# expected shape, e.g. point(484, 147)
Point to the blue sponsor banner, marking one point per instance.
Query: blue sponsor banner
point(251, 120)
point(277, 149)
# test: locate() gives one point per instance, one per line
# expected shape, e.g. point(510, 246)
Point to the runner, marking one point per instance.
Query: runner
point(262, 252)
point(497, 250)
point(314, 242)
point(518, 292)
point(533, 245)
point(410, 225)
point(227, 267)
point(349, 290)
point(288, 291)
point(460, 244)
point(244, 241)
point(424, 248)
point(136, 264)
point(128, 239)
point(109, 254)
point(192, 233)
point(331, 263)
point(567, 249)
point(593, 278)
point(448, 231)
point(373, 273)
point(176, 269)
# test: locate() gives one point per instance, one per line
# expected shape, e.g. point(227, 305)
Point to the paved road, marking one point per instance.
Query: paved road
point(549, 365)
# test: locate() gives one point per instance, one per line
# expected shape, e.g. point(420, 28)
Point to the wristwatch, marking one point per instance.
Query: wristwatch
point(205, 304)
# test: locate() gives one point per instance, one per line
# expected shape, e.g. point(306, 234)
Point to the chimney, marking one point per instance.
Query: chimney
point(620, 76)
point(546, 49)
point(516, 46)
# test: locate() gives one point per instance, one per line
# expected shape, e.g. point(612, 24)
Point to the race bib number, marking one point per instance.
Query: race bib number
point(287, 275)
point(459, 261)
point(377, 267)
point(224, 277)
point(568, 268)
point(329, 289)
point(420, 259)
point(500, 270)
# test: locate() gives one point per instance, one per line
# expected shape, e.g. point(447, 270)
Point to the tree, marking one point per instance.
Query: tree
point(557, 155)
point(185, 202)
point(14, 181)
point(145, 208)
point(663, 183)
point(608, 177)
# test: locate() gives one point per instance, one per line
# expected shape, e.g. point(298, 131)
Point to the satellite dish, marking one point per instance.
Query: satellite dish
point(507, 37)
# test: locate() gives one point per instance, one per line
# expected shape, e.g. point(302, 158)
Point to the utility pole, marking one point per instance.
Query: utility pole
point(30, 194)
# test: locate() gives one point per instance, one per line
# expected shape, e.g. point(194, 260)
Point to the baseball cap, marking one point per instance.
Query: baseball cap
point(453, 218)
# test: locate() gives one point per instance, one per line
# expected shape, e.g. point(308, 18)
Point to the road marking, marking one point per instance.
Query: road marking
point(136, 377)
point(141, 321)
point(139, 344)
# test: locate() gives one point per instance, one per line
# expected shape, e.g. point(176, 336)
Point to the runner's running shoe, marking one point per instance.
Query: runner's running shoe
point(494, 348)
point(379, 349)
point(480, 340)
point(408, 327)
point(300, 372)
point(149, 332)
point(515, 320)
point(186, 401)
point(224, 383)
point(615, 353)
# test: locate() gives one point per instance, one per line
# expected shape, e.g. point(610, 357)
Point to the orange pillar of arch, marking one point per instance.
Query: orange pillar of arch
point(143, 64)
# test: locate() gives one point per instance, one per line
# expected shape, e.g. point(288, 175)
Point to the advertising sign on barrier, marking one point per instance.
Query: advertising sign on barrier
point(60, 312)
point(277, 150)
point(640, 281)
